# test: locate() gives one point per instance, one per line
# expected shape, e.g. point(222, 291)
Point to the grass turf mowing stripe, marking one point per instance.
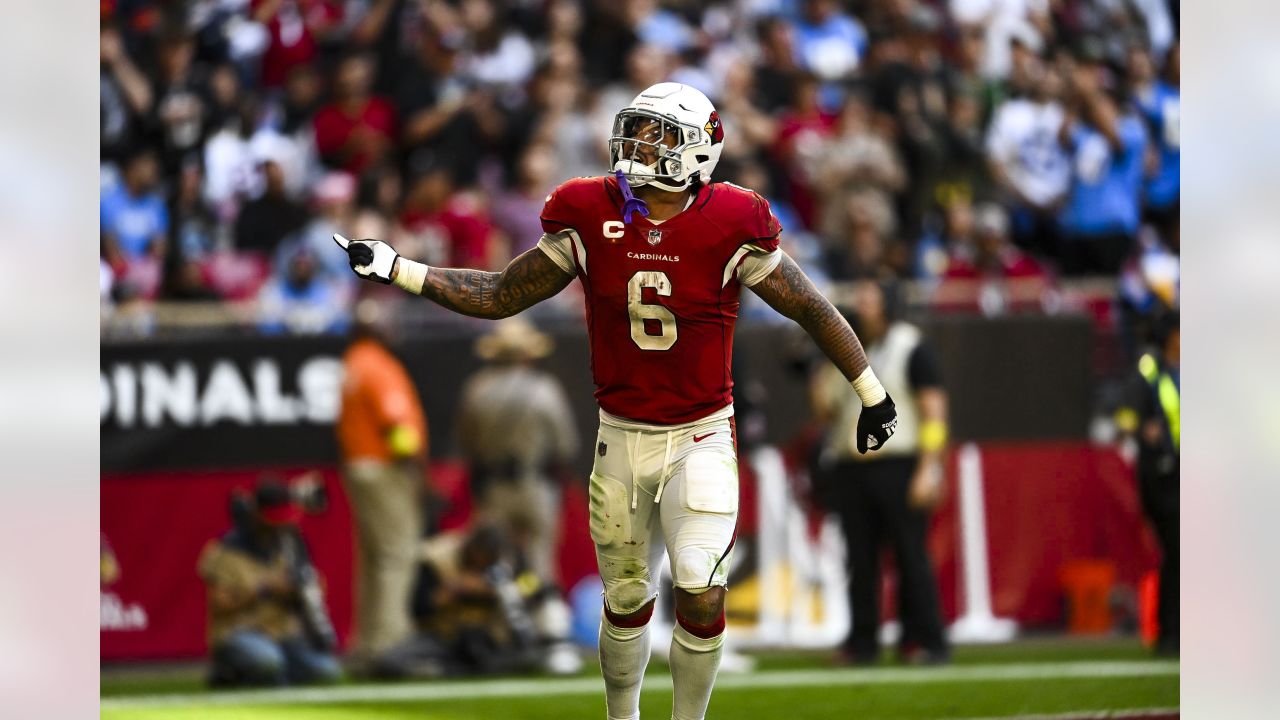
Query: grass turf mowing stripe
point(542, 687)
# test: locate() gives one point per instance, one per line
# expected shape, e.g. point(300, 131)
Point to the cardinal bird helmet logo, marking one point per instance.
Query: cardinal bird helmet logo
point(713, 128)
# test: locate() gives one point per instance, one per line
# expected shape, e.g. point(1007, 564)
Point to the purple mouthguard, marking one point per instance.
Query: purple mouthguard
point(630, 203)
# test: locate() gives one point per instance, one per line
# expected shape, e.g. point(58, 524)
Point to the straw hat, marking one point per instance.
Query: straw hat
point(514, 339)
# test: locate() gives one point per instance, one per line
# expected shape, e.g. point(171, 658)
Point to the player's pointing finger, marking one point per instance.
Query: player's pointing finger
point(342, 242)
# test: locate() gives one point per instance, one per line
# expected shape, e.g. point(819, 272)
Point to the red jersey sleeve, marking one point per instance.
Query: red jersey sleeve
point(763, 227)
point(563, 206)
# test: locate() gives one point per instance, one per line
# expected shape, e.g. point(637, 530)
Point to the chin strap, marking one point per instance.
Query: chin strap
point(630, 203)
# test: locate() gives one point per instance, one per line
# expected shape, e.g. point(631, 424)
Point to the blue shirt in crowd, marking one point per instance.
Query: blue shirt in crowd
point(1106, 186)
point(318, 307)
point(134, 221)
point(833, 48)
point(1161, 106)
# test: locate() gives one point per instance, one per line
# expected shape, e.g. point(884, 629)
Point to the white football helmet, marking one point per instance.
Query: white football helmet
point(669, 137)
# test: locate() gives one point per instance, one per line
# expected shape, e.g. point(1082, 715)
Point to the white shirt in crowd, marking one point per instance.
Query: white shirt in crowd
point(1023, 141)
point(1004, 20)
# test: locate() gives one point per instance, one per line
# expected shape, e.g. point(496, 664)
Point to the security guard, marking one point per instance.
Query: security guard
point(1150, 412)
point(886, 498)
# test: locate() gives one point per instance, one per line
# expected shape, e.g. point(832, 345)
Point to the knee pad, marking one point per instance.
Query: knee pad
point(625, 596)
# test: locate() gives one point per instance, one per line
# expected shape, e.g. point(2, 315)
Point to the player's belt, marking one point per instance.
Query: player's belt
point(723, 413)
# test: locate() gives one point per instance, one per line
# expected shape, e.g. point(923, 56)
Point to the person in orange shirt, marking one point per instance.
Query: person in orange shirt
point(382, 440)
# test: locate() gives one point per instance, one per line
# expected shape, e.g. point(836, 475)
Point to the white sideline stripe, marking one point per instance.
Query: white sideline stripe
point(542, 687)
point(1136, 713)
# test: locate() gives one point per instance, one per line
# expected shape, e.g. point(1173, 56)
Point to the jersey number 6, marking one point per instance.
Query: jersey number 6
point(641, 311)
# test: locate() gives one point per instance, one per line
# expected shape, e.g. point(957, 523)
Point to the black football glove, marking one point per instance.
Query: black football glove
point(876, 425)
point(370, 259)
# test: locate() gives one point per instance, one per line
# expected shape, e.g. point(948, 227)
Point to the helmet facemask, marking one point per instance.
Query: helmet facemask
point(649, 149)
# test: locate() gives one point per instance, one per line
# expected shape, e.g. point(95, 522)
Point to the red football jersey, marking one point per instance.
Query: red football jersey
point(662, 298)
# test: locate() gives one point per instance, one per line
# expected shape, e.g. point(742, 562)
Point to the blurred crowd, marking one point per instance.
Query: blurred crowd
point(965, 144)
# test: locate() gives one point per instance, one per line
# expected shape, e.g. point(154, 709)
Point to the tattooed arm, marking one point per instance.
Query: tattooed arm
point(526, 281)
point(789, 291)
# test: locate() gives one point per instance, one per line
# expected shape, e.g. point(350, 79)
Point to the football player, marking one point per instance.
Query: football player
point(662, 254)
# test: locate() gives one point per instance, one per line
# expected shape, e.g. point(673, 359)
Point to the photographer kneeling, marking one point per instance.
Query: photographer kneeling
point(267, 620)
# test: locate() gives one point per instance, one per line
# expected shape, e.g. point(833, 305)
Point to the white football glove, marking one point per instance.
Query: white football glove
point(370, 259)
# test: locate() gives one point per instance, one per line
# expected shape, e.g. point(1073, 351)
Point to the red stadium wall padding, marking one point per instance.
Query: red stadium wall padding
point(1046, 504)
point(157, 524)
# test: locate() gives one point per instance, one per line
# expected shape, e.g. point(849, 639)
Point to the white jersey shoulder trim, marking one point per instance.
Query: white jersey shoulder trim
point(559, 247)
point(757, 263)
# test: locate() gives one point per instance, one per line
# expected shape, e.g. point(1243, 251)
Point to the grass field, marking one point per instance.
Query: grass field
point(1041, 679)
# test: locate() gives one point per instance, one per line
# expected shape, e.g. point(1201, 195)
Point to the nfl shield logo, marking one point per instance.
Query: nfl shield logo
point(655, 237)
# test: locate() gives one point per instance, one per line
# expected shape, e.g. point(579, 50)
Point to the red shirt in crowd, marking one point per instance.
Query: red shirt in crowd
point(461, 227)
point(292, 28)
point(1012, 264)
point(794, 131)
point(362, 136)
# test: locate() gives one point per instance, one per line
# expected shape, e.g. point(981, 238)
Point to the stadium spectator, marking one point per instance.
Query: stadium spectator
point(865, 251)
point(1159, 102)
point(965, 170)
point(1002, 22)
point(256, 575)
point(303, 299)
point(444, 113)
point(1028, 162)
point(1107, 143)
point(990, 254)
point(231, 172)
point(221, 93)
point(801, 130)
point(829, 42)
point(382, 442)
point(776, 69)
point(194, 229)
point(332, 210)
point(934, 249)
point(988, 271)
point(377, 200)
point(498, 56)
point(392, 91)
point(910, 83)
point(300, 100)
point(295, 28)
point(266, 221)
point(124, 96)
point(885, 499)
point(560, 114)
point(645, 65)
point(179, 111)
point(855, 163)
point(135, 224)
point(1150, 286)
point(195, 239)
point(515, 210)
point(357, 130)
point(755, 127)
point(517, 433)
point(449, 226)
